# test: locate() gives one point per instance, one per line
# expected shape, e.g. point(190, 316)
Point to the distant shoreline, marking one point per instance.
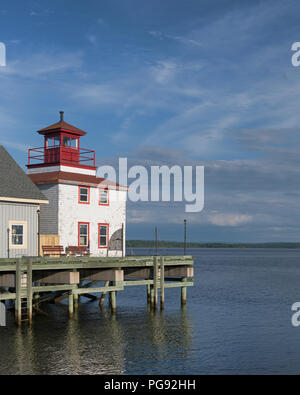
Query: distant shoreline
point(178, 244)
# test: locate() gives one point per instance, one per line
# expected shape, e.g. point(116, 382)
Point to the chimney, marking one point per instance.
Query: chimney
point(61, 116)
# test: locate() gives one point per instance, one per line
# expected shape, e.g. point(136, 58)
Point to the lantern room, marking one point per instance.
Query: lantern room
point(61, 147)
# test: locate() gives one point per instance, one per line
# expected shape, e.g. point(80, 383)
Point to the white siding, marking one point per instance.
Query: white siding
point(70, 213)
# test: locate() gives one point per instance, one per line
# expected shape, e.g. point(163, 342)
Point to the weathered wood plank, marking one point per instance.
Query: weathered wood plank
point(8, 280)
point(7, 296)
point(60, 277)
point(102, 275)
point(52, 288)
point(182, 271)
point(81, 291)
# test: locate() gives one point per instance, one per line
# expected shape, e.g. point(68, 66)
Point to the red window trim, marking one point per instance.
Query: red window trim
point(103, 189)
point(107, 235)
point(89, 194)
point(88, 233)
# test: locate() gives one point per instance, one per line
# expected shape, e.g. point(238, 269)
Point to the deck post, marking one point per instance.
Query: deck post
point(183, 293)
point(76, 297)
point(151, 295)
point(71, 304)
point(162, 283)
point(155, 282)
point(29, 291)
point(18, 311)
point(113, 298)
point(148, 294)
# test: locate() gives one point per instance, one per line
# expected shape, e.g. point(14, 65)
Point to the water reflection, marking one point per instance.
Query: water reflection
point(97, 342)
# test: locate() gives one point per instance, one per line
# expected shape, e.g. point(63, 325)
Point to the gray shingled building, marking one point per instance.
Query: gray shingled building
point(20, 201)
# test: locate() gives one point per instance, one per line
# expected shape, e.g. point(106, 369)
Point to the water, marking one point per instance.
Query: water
point(237, 320)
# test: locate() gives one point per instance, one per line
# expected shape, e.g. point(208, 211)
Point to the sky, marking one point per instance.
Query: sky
point(173, 82)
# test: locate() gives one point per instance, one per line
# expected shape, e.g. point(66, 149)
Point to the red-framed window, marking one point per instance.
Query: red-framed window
point(83, 195)
point(69, 142)
point(83, 234)
point(103, 235)
point(52, 142)
point(103, 197)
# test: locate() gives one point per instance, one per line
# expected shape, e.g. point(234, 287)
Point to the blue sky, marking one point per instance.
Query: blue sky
point(168, 82)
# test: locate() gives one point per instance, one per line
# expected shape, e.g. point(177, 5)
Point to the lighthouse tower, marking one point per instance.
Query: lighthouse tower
point(84, 210)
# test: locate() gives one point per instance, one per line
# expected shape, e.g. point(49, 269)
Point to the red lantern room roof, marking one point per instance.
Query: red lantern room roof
point(61, 126)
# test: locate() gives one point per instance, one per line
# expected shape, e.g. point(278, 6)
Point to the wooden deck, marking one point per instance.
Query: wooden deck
point(24, 280)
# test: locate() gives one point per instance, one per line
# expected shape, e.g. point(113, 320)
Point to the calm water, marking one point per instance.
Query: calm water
point(237, 320)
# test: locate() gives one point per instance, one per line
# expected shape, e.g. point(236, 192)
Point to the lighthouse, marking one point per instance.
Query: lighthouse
point(84, 210)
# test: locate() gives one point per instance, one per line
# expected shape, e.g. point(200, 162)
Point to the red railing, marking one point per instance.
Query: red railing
point(63, 155)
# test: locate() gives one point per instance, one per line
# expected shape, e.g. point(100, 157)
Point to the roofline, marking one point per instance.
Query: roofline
point(49, 131)
point(85, 183)
point(21, 200)
point(37, 165)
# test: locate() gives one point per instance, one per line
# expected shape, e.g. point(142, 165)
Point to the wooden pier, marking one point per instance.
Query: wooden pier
point(31, 281)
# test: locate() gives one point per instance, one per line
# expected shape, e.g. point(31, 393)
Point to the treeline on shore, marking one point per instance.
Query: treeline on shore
point(179, 244)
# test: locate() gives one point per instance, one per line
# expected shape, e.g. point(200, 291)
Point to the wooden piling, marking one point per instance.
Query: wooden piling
point(183, 293)
point(162, 283)
point(29, 291)
point(151, 296)
point(155, 282)
point(148, 293)
point(102, 297)
point(18, 311)
point(71, 304)
point(113, 300)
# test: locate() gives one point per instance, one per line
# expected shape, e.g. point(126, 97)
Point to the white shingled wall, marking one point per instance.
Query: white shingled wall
point(70, 213)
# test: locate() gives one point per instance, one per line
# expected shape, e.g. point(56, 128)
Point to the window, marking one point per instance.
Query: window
point(17, 234)
point(83, 233)
point(103, 197)
point(49, 142)
point(66, 141)
point(69, 142)
point(52, 142)
point(84, 195)
point(73, 143)
point(103, 235)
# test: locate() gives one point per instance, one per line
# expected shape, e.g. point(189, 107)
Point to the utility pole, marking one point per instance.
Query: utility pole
point(184, 242)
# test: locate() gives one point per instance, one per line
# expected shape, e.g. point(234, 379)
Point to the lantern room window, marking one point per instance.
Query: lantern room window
point(69, 142)
point(84, 195)
point(52, 142)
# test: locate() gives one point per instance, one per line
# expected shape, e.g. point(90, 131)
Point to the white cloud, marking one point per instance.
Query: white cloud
point(91, 38)
point(163, 71)
point(226, 219)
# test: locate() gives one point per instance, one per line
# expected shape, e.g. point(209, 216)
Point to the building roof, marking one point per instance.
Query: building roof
point(65, 177)
point(61, 125)
point(15, 185)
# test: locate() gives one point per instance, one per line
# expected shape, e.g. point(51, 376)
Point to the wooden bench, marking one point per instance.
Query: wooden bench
point(53, 251)
point(78, 250)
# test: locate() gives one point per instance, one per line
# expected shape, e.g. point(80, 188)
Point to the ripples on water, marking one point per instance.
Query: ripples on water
point(237, 320)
